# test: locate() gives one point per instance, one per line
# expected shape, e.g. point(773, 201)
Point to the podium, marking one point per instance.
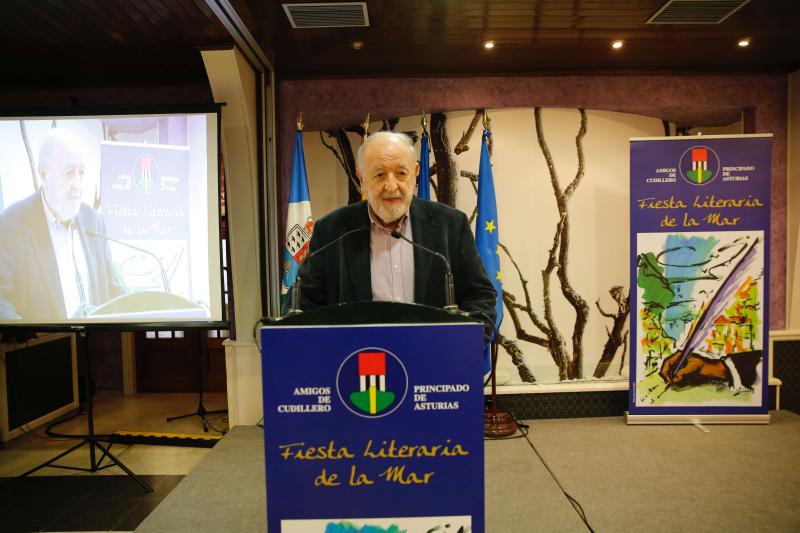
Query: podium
point(150, 305)
point(373, 416)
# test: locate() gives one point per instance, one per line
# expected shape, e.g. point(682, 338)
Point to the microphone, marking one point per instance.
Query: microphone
point(164, 279)
point(449, 289)
point(298, 281)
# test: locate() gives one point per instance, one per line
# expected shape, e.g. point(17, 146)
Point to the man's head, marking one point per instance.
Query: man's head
point(61, 169)
point(387, 167)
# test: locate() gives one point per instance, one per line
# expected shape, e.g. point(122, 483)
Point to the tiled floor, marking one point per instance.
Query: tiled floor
point(55, 499)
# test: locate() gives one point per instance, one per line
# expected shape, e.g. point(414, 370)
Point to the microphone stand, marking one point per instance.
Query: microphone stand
point(296, 289)
point(201, 409)
point(497, 422)
point(163, 271)
point(450, 305)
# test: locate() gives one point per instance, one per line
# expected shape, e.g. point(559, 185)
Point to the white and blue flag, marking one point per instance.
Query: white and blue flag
point(299, 222)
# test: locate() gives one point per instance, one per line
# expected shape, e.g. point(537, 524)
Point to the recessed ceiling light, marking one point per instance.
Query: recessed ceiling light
point(743, 43)
point(616, 45)
point(488, 45)
point(357, 45)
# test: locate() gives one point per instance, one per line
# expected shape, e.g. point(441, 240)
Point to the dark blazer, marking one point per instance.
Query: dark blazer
point(341, 273)
point(30, 287)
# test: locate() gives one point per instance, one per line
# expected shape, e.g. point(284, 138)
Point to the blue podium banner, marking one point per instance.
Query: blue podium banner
point(700, 228)
point(374, 428)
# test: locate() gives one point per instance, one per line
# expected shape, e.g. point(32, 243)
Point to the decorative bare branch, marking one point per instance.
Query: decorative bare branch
point(575, 366)
point(624, 350)
point(512, 307)
point(517, 358)
point(445, 167)
point(615, 337)
point(557, 345)
point(463, 144)
point(472, 177)
point(346, 159)
point(581, 160)
point(389, 124)
point(528, 307)
point(473, 180)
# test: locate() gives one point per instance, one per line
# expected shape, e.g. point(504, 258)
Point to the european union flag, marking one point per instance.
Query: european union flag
point(424, 181)
point(299, 223)
point(487, 227)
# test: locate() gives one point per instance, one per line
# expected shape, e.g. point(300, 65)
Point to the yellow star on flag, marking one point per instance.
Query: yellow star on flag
point(490, 226)
point(498, 249)
point(499, 276)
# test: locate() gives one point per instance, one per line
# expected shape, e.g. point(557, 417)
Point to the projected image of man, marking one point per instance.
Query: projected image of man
point(53, 264)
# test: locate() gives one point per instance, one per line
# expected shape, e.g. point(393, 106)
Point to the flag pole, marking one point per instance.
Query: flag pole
point(299, 223)
point(496, 422)
point(424, 177)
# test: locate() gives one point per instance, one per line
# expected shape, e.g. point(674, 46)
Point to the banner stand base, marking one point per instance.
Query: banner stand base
point(696, 419)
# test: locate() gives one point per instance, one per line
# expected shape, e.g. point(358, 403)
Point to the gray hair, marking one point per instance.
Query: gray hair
point(54, 138)
point(385, 135)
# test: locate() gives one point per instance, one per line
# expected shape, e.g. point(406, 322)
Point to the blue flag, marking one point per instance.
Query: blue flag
point(299, 223)
point(486, 229)
point(424, 181)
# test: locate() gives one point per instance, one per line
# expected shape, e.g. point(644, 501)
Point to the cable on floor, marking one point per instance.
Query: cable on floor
point(48, 431)
point(524, 430)
point(206, 422)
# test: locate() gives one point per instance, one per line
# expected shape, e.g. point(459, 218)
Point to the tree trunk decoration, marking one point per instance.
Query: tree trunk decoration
point(569, 368)
point(445, 167)
point(346, 159)
point(517, 358)
point(618, 335)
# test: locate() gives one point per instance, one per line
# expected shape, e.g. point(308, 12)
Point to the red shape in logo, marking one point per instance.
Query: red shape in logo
point(372, 364)
point(699, 154)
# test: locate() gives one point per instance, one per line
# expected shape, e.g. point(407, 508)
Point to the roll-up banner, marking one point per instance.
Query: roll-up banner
point(700, 227)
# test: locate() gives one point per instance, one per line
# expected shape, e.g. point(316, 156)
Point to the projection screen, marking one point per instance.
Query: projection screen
point(110, 219)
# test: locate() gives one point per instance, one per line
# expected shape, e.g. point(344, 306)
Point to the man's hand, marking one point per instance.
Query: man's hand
point(696, 367)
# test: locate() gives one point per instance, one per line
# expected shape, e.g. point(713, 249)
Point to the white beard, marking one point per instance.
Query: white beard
point(390, 213)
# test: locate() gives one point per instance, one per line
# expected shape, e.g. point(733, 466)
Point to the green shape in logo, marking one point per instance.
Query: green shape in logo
point(699, 176)
point(382, 400)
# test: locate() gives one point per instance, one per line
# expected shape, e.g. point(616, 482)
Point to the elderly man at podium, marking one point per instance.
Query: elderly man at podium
point(53, 264)
point(364, 251)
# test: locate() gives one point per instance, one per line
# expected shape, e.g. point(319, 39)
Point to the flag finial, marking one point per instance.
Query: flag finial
point(424, 121)
point(365, 125)
point(487, 122)
point(300, 121)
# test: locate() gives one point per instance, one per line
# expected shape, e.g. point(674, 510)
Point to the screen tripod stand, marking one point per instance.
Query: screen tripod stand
point(90, 439)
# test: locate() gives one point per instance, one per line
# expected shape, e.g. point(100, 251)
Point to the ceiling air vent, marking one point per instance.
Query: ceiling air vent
point(328, 15)
point(696, 11)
